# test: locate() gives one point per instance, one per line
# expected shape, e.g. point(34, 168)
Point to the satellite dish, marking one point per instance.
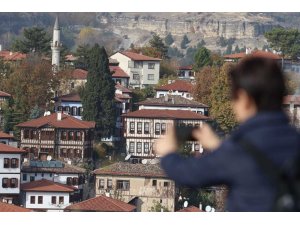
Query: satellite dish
point(208, 208)
point(127, 157)
point(185, 204)
point(144, 161)
point(49, 157)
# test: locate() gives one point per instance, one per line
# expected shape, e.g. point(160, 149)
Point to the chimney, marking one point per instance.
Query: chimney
point(169, 81)
point(0, 48)
point(166, 98)
point(200, 206)
point(248, 51)
point(59, 115)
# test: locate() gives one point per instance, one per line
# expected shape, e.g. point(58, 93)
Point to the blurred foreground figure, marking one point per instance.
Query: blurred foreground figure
point(250, 160)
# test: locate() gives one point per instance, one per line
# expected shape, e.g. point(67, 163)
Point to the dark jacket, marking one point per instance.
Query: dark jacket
point(249, 188)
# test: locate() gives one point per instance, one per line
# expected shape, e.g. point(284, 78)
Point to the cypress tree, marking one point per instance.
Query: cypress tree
point(98, 94)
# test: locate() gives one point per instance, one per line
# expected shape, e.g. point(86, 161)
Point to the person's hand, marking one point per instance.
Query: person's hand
point(207, 137)
point(167, 143)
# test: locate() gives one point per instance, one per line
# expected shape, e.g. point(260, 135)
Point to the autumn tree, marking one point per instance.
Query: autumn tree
point(220, 100)
point(34, 39)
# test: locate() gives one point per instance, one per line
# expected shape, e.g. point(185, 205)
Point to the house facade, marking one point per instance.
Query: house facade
point(8, 139)
point(58, 136)
point(186, 72)
point(175, 87)
point(10, 171)
point(45, 196)
point(143, 185)
point(142, 70)
point(69, 104)
point(143, 127)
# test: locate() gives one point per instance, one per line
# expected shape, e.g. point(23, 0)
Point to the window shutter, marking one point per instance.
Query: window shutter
point(17, 183)
point(8, 183)
point(17, 163)
point(9, 163)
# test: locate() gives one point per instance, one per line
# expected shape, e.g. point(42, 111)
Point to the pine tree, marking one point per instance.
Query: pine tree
point(98, 94)
point(169, 39)
point(184, 42)
point(157, 43)
point(35, 113)
point(202, 58)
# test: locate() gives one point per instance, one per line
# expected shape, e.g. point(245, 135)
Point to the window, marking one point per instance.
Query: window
point(161, 95)
point(59, 108)
point(123, 185)
point(50, 174)
point(157, 128)
point(150, 76)
point(32, 178)
point(42, 174)
point(63, 135)
point(166, 184)
point(146, 147)
point(101, 183)
point(32, 199)
point(74, 111)
point(146, 128)
point(67, 109)
point(151, 66)
point(13, 182)
point(163, 128)
point(80, 111)
point(154, 183)
point(139, 147)
point(72, 84)
point(136, 76)
point(71, 135)
point(40, 199)
point(139, 127)
point(5, 183)
point(131, 147)
point(109, 184)
point(6, 163)
point(24, 177)
point(53, 200)
point(61, 200)
point(131, 128)
point(138, 64)
point(78, 136)
point(69, 180)
point(75, 180)
point(26, 134)
point(197, 147)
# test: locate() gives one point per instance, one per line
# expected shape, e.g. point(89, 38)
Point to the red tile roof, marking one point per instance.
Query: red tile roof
point(5, 135)
point(46, 186)
point(139, 57)
point(66, 121)
point(79, 74)
point(9, 149)
point(122, 88)
point(12, 56)
point(191, 209)
point(257, 53)
point(177, 85)
point(189, 67)
point(4, 94)
point(118, 72)
point(168, 114)
point(5, 207)
point(295, 99)
point(101, 204)
point(72, 97)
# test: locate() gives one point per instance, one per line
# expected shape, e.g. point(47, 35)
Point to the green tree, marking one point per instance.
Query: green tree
point(98, 94)
point(184, 42)
point(287, 41)
point(202, 58)
point(237, 49)
point(158, 207)
point(36, 112)
point(8, 114)
point(220, 100)
point(169, 39)
point(157, 43)
point(228, 50)
point(34, 39)
point(82, 52)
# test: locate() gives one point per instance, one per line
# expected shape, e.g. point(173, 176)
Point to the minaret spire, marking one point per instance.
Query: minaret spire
point(55, 46)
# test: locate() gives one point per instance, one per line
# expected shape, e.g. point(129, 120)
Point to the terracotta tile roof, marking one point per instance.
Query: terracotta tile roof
point(4, 94)
point(70, 57)
point(46, 186)
point(5, 207)
point(67, 169)
point(130, 169)
point(167, 114)
point(118, 72)
point(257, 53)
point(9, 149)
point(67, 121)
point(122, 88)
point(171, 100)
point(178, 85)
point(12, 56)
point(295, 99)
point(139, 57)
point(79, 74)
point(5, 135)
point(101, 204)
point(120, 97)
point(191, 209)
point(189, 67)
point(72, 97)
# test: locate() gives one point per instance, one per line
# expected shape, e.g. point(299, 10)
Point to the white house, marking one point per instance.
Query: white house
point(142, 70)
point(186, 72)
point(7, 139)
point(45, 195)
point(175, 87)
point(10, 158)
point(174, 102)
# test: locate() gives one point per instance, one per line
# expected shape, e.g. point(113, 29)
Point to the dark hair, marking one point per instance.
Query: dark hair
point(262, 79)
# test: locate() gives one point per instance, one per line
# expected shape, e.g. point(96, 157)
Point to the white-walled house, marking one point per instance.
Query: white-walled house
point(8, 139)
point(45, 195)
point(175, 87)
point(10, 159)
point(142, 70)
